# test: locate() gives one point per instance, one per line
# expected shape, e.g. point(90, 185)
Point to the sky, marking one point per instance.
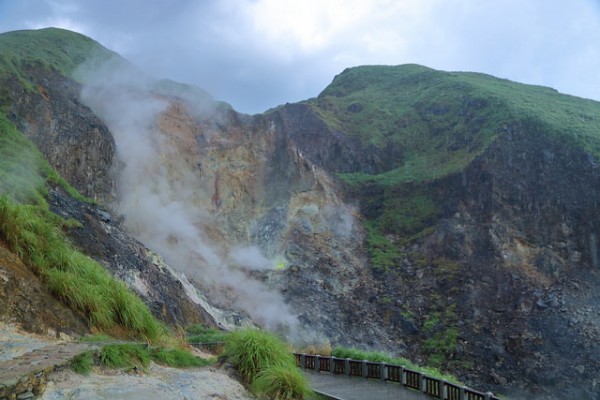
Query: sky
point(257, 54)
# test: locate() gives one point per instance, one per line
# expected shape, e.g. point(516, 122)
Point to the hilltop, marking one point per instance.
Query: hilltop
point(448, 217)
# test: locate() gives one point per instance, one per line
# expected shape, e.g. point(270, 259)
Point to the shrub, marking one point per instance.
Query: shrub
point(281, 383)
point(266, 363)
point(82, 364)
point(252, 351)
point(124, 356)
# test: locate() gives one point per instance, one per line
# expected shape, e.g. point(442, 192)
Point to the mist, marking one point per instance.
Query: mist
point(161, 208)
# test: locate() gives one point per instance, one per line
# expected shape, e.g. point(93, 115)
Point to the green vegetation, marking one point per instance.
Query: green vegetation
point(36, 235)
point(435, 123)
point(202, 334)
point(384, 254)
point(50, 48)
point(124, 356)
point(129, 356)
point(376, 356)
point(266, 363)
point(73, 277)
point(82, 364)
point(442, 334)
point(281, 383)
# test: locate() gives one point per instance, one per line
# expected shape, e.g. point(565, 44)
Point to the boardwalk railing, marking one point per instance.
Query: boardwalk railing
point(414, 380)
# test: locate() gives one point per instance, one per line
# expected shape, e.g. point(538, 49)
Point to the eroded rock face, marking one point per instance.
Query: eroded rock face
point(509, 262)
point(513, 256)
point(70, 136)
point(102, 238)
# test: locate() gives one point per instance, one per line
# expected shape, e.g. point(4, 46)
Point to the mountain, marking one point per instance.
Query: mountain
point(448, 217)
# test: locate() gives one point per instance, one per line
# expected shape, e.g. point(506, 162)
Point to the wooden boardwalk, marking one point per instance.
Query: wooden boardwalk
point(355, 388)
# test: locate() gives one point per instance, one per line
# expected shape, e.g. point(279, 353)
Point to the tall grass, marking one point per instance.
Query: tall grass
point(266, 364)
point(281, 383)
point(251, 351)
point(36, 235)
point(82, 363)
point(73, 277)
point(129, 355)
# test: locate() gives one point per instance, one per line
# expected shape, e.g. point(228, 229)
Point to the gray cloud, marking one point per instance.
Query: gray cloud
point(262, 53)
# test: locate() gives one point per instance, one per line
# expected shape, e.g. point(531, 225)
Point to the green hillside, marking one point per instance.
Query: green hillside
point(444, 119)
point(440, 121)
point(51, 48)
point(27, 226)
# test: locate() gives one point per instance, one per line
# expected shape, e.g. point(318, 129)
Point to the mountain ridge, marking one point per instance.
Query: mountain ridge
point(445, 216)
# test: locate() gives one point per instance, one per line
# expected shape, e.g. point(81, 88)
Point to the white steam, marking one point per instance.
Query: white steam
point(163, 211)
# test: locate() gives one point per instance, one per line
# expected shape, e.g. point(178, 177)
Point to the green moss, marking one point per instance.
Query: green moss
point(384, 254)
point(441, 333)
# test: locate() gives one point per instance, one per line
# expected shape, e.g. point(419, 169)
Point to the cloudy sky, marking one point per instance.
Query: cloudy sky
point(256, 54)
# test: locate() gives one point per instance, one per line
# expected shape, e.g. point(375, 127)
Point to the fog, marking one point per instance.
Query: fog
point(160, 209)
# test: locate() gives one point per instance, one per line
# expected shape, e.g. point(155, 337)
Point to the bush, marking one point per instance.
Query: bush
point(281, 383)
point(124, 356)
point(252, 351)
point(82, 364)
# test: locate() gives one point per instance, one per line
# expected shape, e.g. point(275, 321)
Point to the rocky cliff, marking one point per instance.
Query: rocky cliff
point(446, 217)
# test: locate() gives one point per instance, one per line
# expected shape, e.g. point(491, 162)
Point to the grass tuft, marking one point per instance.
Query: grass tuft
point(251, 351)
point(124, 356)
point(281, 383)
point(82, 363)
point(266, 364)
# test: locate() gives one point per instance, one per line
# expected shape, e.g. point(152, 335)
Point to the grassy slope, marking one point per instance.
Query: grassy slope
point(36, 235)
point(27, 225)
point(53, 48)
point(442, 121)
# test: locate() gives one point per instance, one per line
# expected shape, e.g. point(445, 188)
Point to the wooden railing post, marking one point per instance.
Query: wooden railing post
point(364, 369)
point(331, 365)
point(318, 363)
point(303, 360)
point(463, 393)
point(444, 389)
point(347, 366)
point(423, 388)
point(488, 396)
point(382, 371)
point(403, 374)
